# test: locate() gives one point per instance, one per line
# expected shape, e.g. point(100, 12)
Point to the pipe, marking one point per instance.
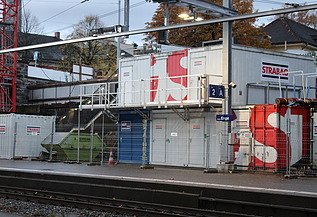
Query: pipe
point(177, 26)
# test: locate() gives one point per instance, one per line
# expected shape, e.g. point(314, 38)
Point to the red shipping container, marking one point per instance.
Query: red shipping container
point(274, 128)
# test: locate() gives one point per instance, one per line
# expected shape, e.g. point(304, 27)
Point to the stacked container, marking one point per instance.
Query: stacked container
point(164, 78)
point(181, 79)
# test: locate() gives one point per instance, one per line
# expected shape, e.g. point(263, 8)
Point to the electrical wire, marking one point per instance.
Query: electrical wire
point(46, 74)
point(269, 2)
point(280, 3)
point(100, 16)
point(26, 3)
point(63, 11)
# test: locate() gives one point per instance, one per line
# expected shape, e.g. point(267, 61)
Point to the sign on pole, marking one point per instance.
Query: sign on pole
point(224, 117)
point(216, 91)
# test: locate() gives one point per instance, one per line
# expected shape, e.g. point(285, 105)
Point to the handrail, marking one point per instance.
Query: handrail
point(137, 93)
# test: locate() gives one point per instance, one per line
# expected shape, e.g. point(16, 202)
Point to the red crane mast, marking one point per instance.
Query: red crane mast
point(8, 61)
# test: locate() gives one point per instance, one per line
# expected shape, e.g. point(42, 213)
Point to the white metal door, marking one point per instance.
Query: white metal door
point(177, 142)
point(159, 141)
point(126, 85)
point(197, 142)
point(159, 87)
point(198, 67)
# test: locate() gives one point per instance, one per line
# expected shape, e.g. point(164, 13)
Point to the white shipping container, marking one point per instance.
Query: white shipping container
point(261, 68)
point(192, 143)
point(21, 135)
point(161, 79)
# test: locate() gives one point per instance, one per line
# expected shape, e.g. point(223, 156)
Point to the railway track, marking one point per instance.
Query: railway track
point(151, 199)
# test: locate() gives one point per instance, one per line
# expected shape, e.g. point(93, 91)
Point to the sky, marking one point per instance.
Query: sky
point(61, 15)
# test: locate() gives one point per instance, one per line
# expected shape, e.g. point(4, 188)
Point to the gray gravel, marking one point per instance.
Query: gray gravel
point(30, 209)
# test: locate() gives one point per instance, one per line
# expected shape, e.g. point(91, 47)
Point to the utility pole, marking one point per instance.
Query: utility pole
point(119, 38)
point(227, 72)
point(126, 15)
point(20, 15)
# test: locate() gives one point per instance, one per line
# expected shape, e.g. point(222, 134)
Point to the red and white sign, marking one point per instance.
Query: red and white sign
point(2, 128)
point(169, 74)
point(33, 130)
point(268, 127)
point(272, 71)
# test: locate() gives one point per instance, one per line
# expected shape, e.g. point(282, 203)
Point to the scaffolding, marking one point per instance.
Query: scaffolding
point(8, 61)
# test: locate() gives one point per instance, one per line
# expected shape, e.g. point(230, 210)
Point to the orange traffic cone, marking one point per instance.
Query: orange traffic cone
point(111, 160)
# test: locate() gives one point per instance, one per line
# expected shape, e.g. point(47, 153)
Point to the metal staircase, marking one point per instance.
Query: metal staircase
point(112, 117)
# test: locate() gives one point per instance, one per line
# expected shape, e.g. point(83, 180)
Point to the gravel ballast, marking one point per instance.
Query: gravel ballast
point(30, 209)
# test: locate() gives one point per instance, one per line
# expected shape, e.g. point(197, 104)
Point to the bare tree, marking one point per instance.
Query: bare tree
point(98, 54)
point(30, 23)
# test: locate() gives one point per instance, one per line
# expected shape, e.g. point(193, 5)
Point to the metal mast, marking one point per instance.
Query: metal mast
point(8, 61)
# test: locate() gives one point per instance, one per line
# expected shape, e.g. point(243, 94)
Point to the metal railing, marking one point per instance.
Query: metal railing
point(160, 92)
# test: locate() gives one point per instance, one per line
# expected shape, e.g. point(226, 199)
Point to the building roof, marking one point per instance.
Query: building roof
point(50, 53)
point(284, 30)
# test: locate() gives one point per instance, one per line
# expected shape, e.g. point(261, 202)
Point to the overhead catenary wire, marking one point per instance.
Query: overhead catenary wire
point(100, 16)
point(25, 4)
point(163, 28)
point(282, 3)
point(83, 1)
point(270, 2)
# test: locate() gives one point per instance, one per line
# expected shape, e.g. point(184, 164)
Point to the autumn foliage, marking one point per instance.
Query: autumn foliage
point(244, 32)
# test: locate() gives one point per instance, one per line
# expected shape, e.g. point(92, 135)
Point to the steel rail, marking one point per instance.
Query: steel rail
point(172, 200)
point(104, 204)
point(177, 26)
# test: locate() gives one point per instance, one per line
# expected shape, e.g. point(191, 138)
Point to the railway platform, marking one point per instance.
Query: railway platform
point(179, 176)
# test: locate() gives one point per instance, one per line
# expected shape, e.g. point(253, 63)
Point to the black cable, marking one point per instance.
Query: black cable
point(269, 2)
point(101, 16)
point(63, 11)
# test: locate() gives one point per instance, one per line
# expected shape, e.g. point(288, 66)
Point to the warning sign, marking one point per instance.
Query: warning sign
point(33, 130)
point(126, 125)
point(158, 126)
point(196, 126)
point(2, 128)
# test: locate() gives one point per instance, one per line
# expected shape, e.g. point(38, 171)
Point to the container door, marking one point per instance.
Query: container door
point(131, 138)
point(158, 80)
point(198, 67)
point(197, 142)
point(177, 70)
point(137, 140)
point(125, 140)
point(126, 87)
point(177, 143)
point(159, 141)
point(300, 135)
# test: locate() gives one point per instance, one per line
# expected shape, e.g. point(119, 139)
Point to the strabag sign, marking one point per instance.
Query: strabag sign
point(273, 71)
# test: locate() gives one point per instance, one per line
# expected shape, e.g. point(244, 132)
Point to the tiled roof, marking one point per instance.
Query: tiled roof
point(284, 30)
point(50, 53)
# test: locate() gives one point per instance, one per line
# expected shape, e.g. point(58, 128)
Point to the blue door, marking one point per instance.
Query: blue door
point(131, 137)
